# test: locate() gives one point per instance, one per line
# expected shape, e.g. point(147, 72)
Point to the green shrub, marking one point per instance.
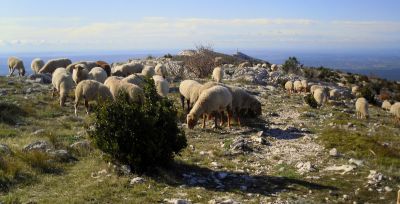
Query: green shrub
point(310, 100)
point(141, 136)
point(168, 55)
point(367, 93)
point(291, 65)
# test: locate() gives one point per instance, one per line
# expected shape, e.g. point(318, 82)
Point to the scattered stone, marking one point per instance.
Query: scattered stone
point(4, 150)
point(305, 167)
point(344, 168)
point(81, 145)
point(136, 180)
point(356, 162)
point(177, 201)
point(374, 178)
point(62, 155)
point(333, 152)
point(388, 189)
point(40, 145)
point(124, 170)
point(240, 145)
point(38, 132)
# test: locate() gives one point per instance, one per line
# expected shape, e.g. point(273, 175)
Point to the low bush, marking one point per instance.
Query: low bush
point(310, 100)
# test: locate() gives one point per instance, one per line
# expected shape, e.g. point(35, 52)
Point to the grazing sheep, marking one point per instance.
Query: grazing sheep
point(386, 105)
point(89, 65)
point(137, 79)
point(90, 90)
point(36, 65)
point(320, 96)
point(63, 83)
point(289, 87)
point(218, 74)
point(112, 83)
point(98, 74)
point(80, 73)
point(161, 70)
point(297, 86)
point(105, 66)
point(148, 71)
point(362, 108)
point(355, 90)
point(185, 89)
point(395, 110)
point(216, 99)
point(15, 63)
point(129, 68)
point(135, 93)
point(243, 102)
point(304, 84)
point(315, 87)
point(334, 94)
point(162, 85)
point(53, 64)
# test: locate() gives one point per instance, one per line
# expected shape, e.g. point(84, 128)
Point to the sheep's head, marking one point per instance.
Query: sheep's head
point(191, 121)
point(79, 67)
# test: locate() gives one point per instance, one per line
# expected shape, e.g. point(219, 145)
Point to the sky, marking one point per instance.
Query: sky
point(100, 25)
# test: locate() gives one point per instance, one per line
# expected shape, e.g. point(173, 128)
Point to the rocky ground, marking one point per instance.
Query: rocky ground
point(291, 154)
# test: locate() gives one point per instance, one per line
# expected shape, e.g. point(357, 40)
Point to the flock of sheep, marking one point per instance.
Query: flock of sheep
point(322, 94)
point(98, 81)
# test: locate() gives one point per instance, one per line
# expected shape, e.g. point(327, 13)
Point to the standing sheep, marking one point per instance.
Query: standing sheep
point(80, 73)
point(185, 89)
point(89, 65)
point(355, 90)
point(90, 90)
point(148, 71)
point(162, 85)
point(129, 68)
point(63, 83)
point(161, 70)
point(362, 108)
point(243, 102)
point(218, 74)
point(289, 87)
point(320, 96)
point(315, 87)
point(395, 110)
point(105, 66)
point(386, 105)
point(304, 84)
point(15, 63)
point(98, 74)
point(53, 64)
point(137, 79)
point(112, 83)
point(216, 99)
point(36, 65)
point(297, 86)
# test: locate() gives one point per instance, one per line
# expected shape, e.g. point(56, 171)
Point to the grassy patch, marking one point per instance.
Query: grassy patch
point(10, 113)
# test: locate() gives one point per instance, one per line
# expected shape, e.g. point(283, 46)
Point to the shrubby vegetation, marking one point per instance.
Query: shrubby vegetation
point(144, 137)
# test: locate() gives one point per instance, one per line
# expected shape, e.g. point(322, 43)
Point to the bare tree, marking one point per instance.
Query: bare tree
point(201, 64)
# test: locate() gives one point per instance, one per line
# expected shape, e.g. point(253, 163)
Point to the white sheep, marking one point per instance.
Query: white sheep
point(304, 84)
point(15, 63)
point(218, 74)
point(274, 67)
point(162, 85)
point(297, 86)
point(80, 73)
point(243, 102)
point(98, 74)
point(161, 70)
point(148, 71)
point(289, 87)
point(187, 87)
point(63, 83)
point(362, 108)
point(244, 64)
point(386, 105)
point(90, 90)
point(89, 65)
point(137, 79)
point(355, 90)
point(320, 96)
point(395, 110)
point(53, 64)
point(135, 93)
point(216, 99)
point(127, 69)
point(315, 87)
point(112, 83)
point(36, 65)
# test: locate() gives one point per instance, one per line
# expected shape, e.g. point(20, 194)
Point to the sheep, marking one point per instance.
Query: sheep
point(362, 108)
point(304, 84)
point(162, 85)
point(297, 86)
point(355, 89)
point(112, 83)
point(105, 66)
point(185, 89)
point(148, 71)
point(98, 74)
point(161, 70)
point(137, 79)
point(242, 102)
point(218, 61)
point(289, 87)
point(218, 74)
point(315, 87)
point(334, 94)
point(386, 105)
point(80, 73)
point(135, 93)
point(216, 99)
point(274, 67)
point(36, 65)
point(395, 110)
point(320, 96)
point(90, 90)
point(16, 63)
point(53, 64)
point(89, 65)
point(244, 64)
point(129, 68)
point(63, 83)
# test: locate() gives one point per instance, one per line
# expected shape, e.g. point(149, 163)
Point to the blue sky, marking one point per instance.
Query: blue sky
point(73, 25)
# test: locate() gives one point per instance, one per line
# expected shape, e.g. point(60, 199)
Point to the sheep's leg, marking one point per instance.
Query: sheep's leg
point(87, 106)
point(215, 121)
point(229, 119)
point(53, 92)
point(183, 102)
point(76, 108)
point(238, 120)
point(188, 105)
point(221, 115)
point(12, 72)
point(204, 121)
